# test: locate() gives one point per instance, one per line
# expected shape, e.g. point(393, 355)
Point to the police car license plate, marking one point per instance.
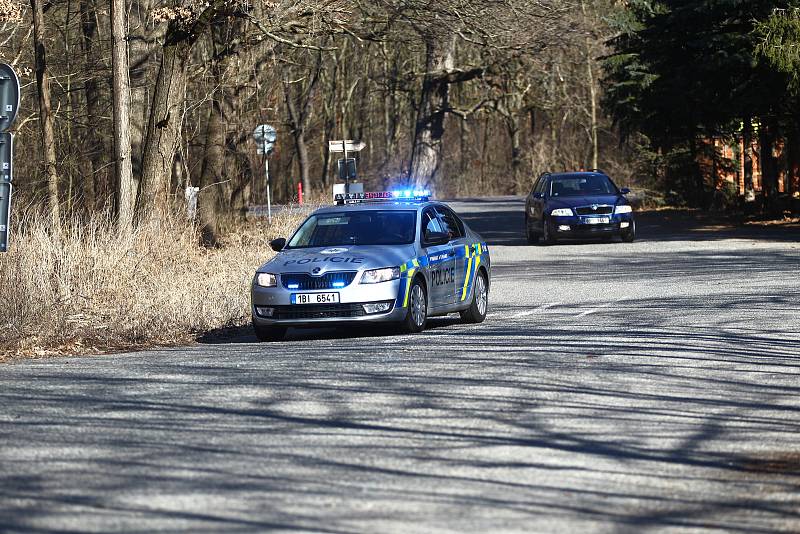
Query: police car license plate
point(596, 220)
point(315, 298)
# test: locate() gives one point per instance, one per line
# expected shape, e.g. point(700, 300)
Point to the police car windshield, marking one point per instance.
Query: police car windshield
point(362, 227)
point(577, 185)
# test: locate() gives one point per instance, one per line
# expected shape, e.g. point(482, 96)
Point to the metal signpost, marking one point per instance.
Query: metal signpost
point(265, 136)
point(9, 107)
point(347, 166)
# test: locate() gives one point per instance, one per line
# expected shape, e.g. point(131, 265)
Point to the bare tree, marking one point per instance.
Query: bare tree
point(125, 186)
point(298, 97)
point(45, 109)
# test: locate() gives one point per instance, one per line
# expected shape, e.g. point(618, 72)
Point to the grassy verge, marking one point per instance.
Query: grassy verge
point(82, 288)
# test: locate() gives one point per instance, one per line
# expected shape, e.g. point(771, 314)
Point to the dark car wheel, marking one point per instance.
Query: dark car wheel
point(476, 312)
point(629, 235)
point(530, 236)
point(548, 234)
point(269, 333)
point(417, 315)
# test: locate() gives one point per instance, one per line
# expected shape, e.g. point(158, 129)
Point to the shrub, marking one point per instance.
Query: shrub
point(82, 287)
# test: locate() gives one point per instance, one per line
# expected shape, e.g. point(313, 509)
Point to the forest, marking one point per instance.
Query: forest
point(466, 97)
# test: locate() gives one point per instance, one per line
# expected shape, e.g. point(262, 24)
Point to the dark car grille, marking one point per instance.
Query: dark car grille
point(336, 280)
point(323, 311)
point(601, 210)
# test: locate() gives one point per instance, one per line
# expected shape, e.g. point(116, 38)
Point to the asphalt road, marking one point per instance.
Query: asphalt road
point(613, 388)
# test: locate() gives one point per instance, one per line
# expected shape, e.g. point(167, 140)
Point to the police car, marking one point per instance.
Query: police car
point(385, 257)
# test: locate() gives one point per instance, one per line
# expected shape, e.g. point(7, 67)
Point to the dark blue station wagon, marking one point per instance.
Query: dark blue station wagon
point(577, 205)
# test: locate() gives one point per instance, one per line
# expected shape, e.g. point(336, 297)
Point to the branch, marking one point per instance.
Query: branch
point(294, 44)
point(465, 114)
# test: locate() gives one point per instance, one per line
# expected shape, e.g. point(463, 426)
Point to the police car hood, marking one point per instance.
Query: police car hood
point(587, 200)
point(320, 260)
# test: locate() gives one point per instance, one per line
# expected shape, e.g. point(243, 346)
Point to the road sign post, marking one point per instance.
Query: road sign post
point(345, 146)
point(265, 137)
point(9, 108)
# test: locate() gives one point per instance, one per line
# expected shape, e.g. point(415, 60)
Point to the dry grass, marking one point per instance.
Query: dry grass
point(85, 289)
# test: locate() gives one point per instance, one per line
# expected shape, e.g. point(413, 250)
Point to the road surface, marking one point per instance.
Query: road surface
point(613, 388)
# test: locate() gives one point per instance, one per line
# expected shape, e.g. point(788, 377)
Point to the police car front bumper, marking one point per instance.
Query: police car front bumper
point(272, 306)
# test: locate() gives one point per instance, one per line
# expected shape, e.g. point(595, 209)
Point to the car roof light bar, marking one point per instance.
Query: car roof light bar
point(405, 195)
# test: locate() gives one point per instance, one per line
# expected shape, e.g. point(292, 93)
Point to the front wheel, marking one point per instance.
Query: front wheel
point(417, 315)
point(548, 234)
point(269, 333)
point(476, 312)
point(629, 235)
point(531, 237)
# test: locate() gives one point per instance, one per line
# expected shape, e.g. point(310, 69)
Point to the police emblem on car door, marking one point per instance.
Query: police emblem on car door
point(441, 261)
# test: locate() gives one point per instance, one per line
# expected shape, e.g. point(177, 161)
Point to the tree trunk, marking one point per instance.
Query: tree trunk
point(142, 49)
point(513, 128)
point(45, 113)
point(427, 154)
point(298, 125)
point(390, 114)
point(125, 190)
point(163, 129)
point(593, 109)
point(769, 167)
point(299, 115)
point(747, 136)
point(93, 89)
point(697, 172)
point(590, 82)
point(793, 174)
point(532, 138)
point(212, 171)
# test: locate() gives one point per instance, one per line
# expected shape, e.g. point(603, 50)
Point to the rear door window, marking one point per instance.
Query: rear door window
point(451, 223)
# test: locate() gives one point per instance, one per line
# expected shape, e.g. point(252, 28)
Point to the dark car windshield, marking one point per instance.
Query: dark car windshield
point(581, 185)
point(367, 227)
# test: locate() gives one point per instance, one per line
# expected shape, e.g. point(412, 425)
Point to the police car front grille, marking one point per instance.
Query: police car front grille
point(335, 280)
point(323, 311)
point(601, 210)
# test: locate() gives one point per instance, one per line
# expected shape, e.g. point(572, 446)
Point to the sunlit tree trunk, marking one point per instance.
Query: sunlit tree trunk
point(125, 190)
point(427, 154)
point(45, 110)
point(163, 128)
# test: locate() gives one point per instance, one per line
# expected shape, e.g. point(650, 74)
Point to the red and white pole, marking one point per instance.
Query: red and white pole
point(300, 193)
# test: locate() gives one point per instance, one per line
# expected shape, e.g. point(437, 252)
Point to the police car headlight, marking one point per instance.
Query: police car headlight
point(266, 280)
point(375, 276)
point(624, 208)
point(561, 212)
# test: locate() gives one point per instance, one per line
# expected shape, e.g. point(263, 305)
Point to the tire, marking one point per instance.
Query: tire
point(630, 235)
point(548, 235)
point(417, 316)
point(476, 312)
point(531, 237)
point(269, 333)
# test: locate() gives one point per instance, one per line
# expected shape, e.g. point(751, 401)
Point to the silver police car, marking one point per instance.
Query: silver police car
point(378, 257)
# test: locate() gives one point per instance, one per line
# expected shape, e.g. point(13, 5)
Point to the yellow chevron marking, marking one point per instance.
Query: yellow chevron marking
point(466, 279)
point(408, 287)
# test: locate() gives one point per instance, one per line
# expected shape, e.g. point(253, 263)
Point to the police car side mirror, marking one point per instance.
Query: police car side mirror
point(277, 244)
point(433, 239)
point(624, 191)
point(538, 195)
